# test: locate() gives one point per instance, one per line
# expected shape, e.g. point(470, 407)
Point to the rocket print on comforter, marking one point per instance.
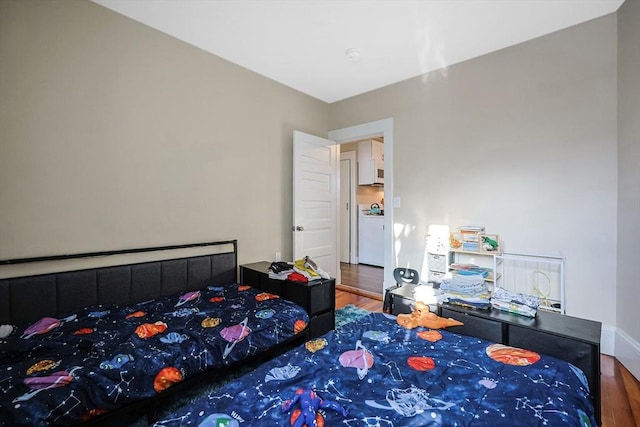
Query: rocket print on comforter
point(65, 371)
point(375, 373)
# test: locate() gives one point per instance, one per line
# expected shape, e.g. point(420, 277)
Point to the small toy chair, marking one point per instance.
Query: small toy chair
point(402, 276)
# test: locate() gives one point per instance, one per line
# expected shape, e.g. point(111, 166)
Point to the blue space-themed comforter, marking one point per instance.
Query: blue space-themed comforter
point(64, 371)
point(375, 373)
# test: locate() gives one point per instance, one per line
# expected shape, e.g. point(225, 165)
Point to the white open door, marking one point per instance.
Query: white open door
point(315, 200)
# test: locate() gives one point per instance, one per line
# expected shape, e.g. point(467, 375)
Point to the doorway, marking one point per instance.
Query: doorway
point(381, 128)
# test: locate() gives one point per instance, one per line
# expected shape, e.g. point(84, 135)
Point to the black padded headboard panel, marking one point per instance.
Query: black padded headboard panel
point(25, 299)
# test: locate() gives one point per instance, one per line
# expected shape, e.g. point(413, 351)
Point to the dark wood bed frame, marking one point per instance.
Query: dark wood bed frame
point(29, 298)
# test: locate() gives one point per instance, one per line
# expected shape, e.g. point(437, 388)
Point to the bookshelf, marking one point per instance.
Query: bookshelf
point(471, 245)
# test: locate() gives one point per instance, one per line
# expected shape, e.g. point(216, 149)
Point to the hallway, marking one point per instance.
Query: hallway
point(362, 279)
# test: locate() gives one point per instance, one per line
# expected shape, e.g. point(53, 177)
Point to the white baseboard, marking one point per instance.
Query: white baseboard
point(608, 340)
point(627, 351)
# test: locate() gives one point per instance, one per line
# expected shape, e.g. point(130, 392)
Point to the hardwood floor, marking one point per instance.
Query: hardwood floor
point(620, 394)
point(363, 279)
point(346, 297)
point(620, 390)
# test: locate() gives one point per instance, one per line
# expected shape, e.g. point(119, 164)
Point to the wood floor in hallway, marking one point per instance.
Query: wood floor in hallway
point(362, 279)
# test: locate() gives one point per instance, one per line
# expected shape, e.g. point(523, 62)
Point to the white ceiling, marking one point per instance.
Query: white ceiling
point(302, 43)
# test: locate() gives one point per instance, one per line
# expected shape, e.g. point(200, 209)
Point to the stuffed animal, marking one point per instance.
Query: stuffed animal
point(421, 316)
point(489, 244)
point(308, 414)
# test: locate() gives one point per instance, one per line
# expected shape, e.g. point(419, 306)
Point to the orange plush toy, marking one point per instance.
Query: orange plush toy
point(421, 316)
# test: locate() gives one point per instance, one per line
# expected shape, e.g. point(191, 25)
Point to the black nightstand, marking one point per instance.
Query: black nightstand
point(318, 297)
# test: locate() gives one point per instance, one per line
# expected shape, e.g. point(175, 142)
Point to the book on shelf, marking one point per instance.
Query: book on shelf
point(470, 246)
point(472, 229)
point(470, 269)
point(469, 237)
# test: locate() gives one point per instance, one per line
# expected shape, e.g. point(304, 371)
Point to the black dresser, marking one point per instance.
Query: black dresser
point(568, 338)
point(318, 297)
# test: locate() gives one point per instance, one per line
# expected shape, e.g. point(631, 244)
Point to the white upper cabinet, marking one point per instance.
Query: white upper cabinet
point(370, 162)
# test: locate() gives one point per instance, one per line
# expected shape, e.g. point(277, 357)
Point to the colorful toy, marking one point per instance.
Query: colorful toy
point(454, 243)
point(489, 244)
point(421, 316)
point(308, 414)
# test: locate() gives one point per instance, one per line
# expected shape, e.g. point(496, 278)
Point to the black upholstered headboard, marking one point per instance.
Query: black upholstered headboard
point(28, 298)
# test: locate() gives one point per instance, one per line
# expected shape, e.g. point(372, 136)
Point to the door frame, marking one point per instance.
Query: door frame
point(382, 127)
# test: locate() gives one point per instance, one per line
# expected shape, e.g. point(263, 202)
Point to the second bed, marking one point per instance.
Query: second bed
point(373, 372)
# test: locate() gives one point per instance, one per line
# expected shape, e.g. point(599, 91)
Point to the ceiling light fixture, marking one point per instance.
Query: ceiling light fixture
point(353, 54)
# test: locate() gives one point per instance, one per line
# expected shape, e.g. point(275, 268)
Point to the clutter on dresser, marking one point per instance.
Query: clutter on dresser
point(534, 282)
point(515, 302)
point(539, 275)
point(465, 290)
point(303, 270)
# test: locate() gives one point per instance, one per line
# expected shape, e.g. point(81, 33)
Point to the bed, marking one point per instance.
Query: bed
point(86, 345)
point(373, 372)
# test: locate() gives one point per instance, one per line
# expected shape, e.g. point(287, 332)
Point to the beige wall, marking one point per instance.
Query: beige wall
point(628, 295)
point(114, 135)
point(523, 141)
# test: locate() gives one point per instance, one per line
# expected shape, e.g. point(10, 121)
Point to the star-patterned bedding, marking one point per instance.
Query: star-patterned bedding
point(373, 372)
point(65, 371)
